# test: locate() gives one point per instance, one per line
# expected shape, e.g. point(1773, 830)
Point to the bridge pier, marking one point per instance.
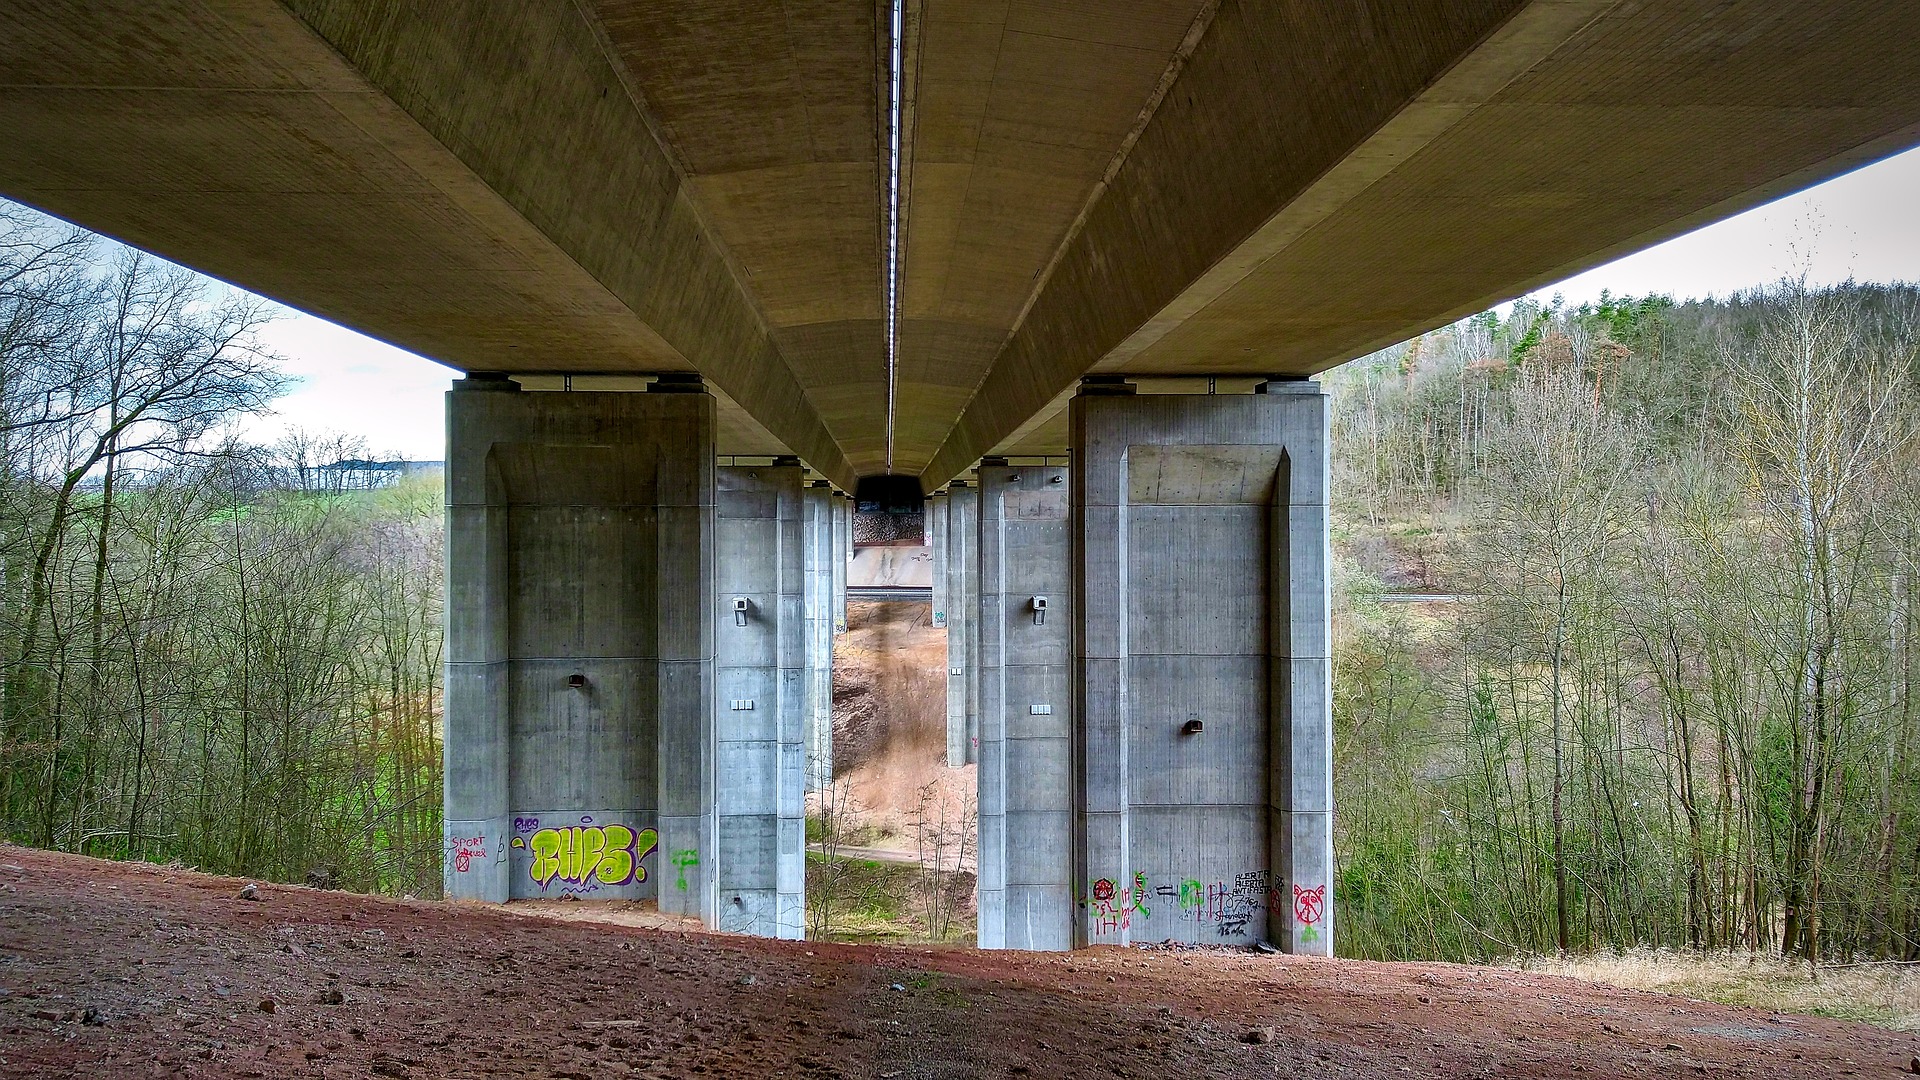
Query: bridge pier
point(961, 533)
point(1200, 666)
point(935, 531)
point(1026, 888)
point(763, 700)
point(819, 541)
point(578, 721)
point(842, 557)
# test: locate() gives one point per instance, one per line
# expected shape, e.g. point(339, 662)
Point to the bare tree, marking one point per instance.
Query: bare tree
point(1817, 422)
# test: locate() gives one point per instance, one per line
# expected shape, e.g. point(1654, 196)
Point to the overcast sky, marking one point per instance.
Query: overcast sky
point(1863, 226)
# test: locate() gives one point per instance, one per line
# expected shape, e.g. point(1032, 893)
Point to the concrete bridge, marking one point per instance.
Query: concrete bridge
point(833, 239)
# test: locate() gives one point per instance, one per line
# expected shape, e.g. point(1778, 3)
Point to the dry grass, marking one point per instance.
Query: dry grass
point(1884, 995)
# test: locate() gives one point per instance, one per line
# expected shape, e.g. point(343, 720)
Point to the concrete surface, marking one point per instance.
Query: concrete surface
point(1026, 880)
point(817, 538)
point(1201, 701)
point(890, 566)
point(1157, 187)
point(579, 644)
point(960, 596)
point(763, 702)
point(936, 519)
point(842, 558)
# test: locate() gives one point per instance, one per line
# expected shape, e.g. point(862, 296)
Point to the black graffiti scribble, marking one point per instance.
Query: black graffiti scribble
point(1249, 893)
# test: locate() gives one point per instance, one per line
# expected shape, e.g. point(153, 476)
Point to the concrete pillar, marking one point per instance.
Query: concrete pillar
point(579, 705)
point(935, 517)
point(1025, 773)
point(762, 637)
point(1200, 666)
point(842, 559)
point(1300, 680)
point(818, 541)
point(962, 534)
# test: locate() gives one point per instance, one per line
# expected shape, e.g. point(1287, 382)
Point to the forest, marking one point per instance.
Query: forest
point(214, 652)
point(1662, 689)
point(1657, 687)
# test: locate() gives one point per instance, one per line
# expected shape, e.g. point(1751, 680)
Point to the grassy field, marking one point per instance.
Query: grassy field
point(1884, 995)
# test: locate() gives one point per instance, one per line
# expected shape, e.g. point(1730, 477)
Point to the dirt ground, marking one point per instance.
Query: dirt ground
point(890, 717)
point(112, 970)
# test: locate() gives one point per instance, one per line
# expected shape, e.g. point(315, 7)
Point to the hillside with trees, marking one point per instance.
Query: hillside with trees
point(213, 652)
point(1667, 697)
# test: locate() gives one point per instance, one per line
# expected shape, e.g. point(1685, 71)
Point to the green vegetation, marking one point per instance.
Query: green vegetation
point(872, 900)
point(924, 896)
point(1674, 703)
point(213, 652)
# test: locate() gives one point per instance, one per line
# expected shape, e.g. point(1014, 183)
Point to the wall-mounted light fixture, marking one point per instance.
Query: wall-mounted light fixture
point(1039, 606)
point(576, 681)
point(741, 605)
point(1192, 727)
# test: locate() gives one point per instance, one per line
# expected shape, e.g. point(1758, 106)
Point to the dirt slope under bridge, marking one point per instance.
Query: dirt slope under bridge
point(179, 968)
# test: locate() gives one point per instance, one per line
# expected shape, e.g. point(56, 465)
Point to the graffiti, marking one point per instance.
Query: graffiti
point(1240, 904)
point(1113, 909)
point(1308, 907)
point(464, 851)
point(681, 860)
point(585, 856)
point(1187, 896)
point(1230, 907)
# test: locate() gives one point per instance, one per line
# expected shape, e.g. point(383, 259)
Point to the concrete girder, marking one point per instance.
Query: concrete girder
point(1321, 183)
point(1154, 187)
point(479, 186)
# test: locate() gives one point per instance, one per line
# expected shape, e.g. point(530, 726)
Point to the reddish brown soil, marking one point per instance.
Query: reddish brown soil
point(179, 967)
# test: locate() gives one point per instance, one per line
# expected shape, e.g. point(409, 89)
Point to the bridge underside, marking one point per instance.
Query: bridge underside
point(895, 237)
point(1154, 187)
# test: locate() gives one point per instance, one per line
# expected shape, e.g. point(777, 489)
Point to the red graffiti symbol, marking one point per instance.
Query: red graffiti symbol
point(465, 850)
point(1103, 890)
point(1309, 904)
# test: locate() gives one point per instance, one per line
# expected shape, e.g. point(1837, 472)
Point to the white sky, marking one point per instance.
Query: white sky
point(1864, 226)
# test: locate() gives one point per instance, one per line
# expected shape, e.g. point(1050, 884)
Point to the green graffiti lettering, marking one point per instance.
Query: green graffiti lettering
point(589, 848)
point(617, 864)
point(609, 855)
point(1190, 895)
point(546, 856)
point(683, 859)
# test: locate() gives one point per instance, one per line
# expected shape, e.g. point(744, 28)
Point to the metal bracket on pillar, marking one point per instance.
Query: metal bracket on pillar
point(487, 381)
point(677, 382)
point(1287, 384)
point(1107, 386)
